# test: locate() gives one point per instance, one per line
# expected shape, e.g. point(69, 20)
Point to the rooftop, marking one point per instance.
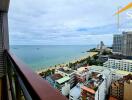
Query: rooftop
point(121, 81)
point(112, 98)
point(66, 70)
point(127, 60)
point(97, 68)
point(76, 91)
point(122, 72)
point(82, 69)
point(64, 79)
point(88, 89)
point(100, 69)
point(56, 76)
point(119, 59)
point(94, 81)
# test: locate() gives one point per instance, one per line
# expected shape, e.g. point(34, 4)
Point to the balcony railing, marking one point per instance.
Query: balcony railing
point(24, 84)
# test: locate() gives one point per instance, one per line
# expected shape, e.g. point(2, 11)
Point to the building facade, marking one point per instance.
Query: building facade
point(118, 74)
point(117, 89)
point(67, 72)
point(122, 44)
point(63, 85)
point(127, 44)
point(121, 89)
point(75, 92)
point(117, 43)
point(94, 88)
point(81, 74)
point(128, 90)
point(125, 65)
point(106, 72)
point(52, 79)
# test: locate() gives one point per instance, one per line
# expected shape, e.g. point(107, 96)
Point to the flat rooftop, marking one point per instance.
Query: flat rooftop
point(127, 60)
point(66, 70)
point(88, 89)
point(76, 91)
point(81, 69)
point(97, 68)
point(64, 79)
point(122, 72)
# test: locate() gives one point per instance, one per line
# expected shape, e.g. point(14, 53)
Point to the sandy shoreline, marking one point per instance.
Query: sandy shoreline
point(89, 54)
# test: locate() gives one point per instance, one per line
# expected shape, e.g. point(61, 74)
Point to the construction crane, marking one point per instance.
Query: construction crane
point(129, 6)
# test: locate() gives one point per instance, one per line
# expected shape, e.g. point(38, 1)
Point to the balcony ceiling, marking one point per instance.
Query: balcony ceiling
point(4, 5)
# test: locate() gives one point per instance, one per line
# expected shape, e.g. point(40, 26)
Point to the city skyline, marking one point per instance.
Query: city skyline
point(63, 22)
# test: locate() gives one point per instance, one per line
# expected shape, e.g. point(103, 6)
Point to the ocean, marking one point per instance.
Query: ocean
point(42, 56)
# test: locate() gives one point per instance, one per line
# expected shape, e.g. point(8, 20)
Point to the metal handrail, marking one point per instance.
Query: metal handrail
point(26, 83)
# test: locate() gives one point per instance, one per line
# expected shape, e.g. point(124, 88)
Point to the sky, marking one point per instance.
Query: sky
point(64, 22)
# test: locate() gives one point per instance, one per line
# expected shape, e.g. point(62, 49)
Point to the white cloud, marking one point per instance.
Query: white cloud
point(48, 21)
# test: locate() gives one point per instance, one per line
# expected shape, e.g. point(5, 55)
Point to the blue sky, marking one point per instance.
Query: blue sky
point(63, 22)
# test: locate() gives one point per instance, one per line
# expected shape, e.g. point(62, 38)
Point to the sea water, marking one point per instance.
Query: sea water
point(42, 56)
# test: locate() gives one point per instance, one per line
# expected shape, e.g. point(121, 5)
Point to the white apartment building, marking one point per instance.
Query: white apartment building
point(106, 72)
point(101, 92)
point(125, 65)
point(94, 88)
point(75, 92)
point(63, 85)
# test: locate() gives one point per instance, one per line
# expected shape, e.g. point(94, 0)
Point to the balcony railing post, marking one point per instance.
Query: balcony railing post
point(10, 77)
point(17, 89)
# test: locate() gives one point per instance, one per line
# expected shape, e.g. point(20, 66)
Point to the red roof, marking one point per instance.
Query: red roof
point(88, 89)
point(56, 76)
point(112, 98)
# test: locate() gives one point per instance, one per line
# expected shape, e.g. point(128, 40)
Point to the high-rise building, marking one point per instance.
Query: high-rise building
point(127, 44)
point(122, 44)
point(117, 43)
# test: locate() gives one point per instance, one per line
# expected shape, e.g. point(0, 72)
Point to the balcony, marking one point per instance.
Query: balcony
point(17, 81)
point(23, 83)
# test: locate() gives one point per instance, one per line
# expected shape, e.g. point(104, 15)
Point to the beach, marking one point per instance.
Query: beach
point(88, 54)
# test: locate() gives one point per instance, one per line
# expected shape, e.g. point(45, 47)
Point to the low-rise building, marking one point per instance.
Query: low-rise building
point(63, 85)
point(52, 79)
point(103, 58)
point(65, 71)
point(82, 74)
point(123, 64)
